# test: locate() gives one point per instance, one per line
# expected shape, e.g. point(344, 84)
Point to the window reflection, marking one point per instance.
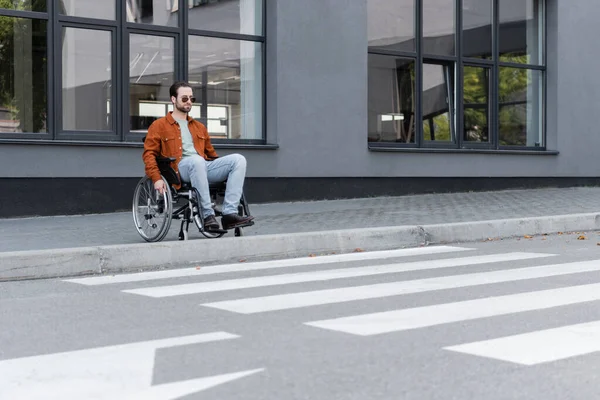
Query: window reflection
point(391, 99)
point(233, 16)
point(477, 28)
point(88, 8)
point(23, 75)
point(227, 79)
point(154, 12)
point(151, 73)
point(391, 24)
point(520, 31)
point(437, 100)
point(476, 95)
point(86, 79)
point(439, 27)
point(24, 5)
point(520, 107)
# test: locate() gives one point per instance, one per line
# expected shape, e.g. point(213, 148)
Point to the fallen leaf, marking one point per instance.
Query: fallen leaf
point(528, 237)
point(560, 233)
point(581, 237)
point(243, 260)
point(358, 250)
point(312, 255)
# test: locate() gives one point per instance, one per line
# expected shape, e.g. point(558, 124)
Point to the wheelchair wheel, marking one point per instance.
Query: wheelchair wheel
point(152, 212)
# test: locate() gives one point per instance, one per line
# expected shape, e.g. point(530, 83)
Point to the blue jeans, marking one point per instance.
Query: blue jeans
point(230, 168)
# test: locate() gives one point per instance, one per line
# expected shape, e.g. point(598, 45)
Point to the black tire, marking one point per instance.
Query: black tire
point(152, 212)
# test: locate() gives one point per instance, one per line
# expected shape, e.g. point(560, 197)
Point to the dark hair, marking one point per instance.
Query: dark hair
point(175, 88)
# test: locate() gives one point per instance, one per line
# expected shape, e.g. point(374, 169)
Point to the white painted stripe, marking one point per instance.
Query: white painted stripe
point(420, 317)
point(340, 295)
point(314, 276)
point(539, 346)
point(255, 266)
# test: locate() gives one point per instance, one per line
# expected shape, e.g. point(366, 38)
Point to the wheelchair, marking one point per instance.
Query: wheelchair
point(153, 212)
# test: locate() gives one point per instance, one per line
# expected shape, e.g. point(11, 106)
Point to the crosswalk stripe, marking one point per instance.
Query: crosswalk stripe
point(420, 317)
point(313, 276)
point(255, 266)
point(340, 295)
point(539, 346)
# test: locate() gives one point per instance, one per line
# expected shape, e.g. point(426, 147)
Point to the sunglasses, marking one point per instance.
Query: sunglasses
point(185, 99)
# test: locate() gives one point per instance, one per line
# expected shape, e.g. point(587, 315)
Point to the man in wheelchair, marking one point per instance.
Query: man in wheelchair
point(179, 136)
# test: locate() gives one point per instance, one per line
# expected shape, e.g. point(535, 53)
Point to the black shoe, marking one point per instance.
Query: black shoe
point(210, 223)
point(231, 221)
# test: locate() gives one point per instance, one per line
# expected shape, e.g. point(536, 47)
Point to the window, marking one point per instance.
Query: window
point(154, 12)
point(151, 73)
point(469, 87)
point(88, 8)
point(24, 5)
point(227, 76)
point(100, 70)
point(23, 76)
point(86, 80)
point(238, 16)
point(391, 99)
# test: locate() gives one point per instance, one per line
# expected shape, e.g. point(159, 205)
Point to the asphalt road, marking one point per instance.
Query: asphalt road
point(512, 319)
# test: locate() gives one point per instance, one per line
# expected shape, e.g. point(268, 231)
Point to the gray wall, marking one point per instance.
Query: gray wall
point(317, 107)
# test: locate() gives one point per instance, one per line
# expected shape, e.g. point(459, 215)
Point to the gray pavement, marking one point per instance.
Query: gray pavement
point(103, 339)
point(25, 234)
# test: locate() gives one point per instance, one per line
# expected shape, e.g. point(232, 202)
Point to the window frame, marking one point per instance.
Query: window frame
point(460, 61)
point(120, 29)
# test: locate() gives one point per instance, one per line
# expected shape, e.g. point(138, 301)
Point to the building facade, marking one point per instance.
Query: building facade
point(326, 99)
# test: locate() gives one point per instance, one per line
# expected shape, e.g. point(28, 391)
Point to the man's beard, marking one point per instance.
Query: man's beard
point(183, 108)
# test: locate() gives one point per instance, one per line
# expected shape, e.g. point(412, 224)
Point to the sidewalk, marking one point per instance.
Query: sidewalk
point(292, 229)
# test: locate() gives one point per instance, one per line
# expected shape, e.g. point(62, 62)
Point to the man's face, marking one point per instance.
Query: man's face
point(184, 101)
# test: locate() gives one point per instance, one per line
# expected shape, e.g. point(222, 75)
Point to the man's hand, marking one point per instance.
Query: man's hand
point(160, 186)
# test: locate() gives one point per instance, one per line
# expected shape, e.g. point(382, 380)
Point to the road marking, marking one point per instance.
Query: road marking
point(340, 295)
point(314, 276)
point(113, 372)
point(420, 317)
point(255, 266)
point(539, 346)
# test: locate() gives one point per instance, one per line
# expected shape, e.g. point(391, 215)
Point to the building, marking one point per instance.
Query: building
point(325, 98)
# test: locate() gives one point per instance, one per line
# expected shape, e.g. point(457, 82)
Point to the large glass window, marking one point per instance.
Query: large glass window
point(234, 16)
point(86, 79)
point(484, 91)
point(391, 99)
point(476, 103)
point(521, 31)
point(151, 73)
point(477, 28)
point(439, 27)
point(24, 5)
point(155, 12)
point(438, 102)
point(520, 105)
point(391, 24)
point(105, 71)
point(88, 8)
point(227, 78)
point(23, 75)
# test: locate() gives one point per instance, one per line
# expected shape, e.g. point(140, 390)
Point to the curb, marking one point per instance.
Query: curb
point(55, 263)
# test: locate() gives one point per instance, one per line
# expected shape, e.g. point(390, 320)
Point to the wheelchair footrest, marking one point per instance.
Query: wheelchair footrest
point(247, 224)
point(219, 231)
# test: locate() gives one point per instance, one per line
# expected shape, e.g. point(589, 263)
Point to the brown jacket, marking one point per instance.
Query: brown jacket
point(164, 138)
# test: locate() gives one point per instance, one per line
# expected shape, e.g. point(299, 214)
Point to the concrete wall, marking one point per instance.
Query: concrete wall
point(317, 107)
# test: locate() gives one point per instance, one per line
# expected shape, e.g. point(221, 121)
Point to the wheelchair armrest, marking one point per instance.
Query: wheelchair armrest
point(165, 160)
point(164, 165)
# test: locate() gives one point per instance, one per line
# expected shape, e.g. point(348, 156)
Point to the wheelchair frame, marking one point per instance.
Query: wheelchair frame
point(154, 206)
